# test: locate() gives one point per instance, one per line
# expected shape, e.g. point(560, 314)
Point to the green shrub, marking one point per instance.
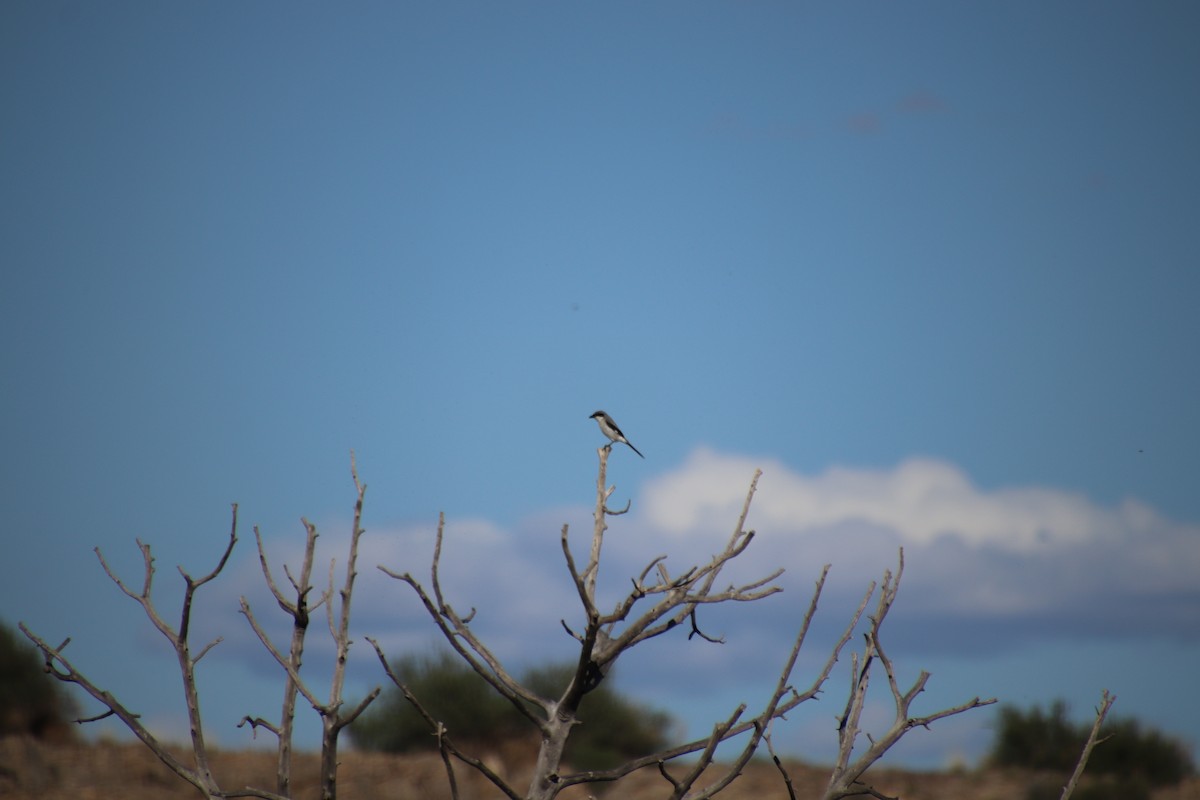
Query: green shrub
point(1049, 741)
point(1037, 740)
point(449, 690)
point(612, 727)
point(31, 701)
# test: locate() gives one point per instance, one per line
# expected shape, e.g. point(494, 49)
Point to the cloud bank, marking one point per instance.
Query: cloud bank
point(996, 566)
point(988, 573)
point(985, 569)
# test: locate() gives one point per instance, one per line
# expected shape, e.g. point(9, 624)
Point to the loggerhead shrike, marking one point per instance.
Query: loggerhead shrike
point(610, 429)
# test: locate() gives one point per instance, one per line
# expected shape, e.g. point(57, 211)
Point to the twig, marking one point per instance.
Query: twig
point(1106, 702)
point(787, 778)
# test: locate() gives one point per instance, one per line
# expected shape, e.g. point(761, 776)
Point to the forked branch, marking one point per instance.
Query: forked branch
point(333, 716)
point(846, 779)
point(657, 602)
point(199, 775)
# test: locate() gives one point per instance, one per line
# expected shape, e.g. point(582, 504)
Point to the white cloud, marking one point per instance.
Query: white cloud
point(920, 499)
point(1011, 562)
point(987, 571)
point(984, 568)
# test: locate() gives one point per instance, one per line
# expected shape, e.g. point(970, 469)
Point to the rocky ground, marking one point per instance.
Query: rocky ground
point(83, 771)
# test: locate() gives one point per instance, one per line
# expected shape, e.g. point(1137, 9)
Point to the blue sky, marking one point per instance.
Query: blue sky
point(930, 265)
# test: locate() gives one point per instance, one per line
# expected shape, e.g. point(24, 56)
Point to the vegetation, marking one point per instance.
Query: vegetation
point(612, 730)
point(31, 701)
point(1133, 755)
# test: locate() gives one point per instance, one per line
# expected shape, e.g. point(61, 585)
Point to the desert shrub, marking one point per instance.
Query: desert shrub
point(30, 700)
point(1037, 739)
point(612, 729)
point(1145, 752)
point(1048, 740)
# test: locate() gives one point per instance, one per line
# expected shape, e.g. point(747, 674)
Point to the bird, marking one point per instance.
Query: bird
point(610, 429)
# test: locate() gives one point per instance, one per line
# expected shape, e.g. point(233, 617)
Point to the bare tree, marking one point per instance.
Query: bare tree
point(334, 719)
point(657, 603)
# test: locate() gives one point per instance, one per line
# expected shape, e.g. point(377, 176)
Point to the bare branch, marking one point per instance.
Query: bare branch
point(333, 721)
point(771, 711)
point(143, 598)
point(444, 752)
point(719, 734)
point(289, 607)
point(179, 640)
point(193, 585)
point(697, 632)
point(570, 632)
point(456, 630)
point(787, 778)
point(289, 667)
point(299, 611)
point(62, 669)
point(775, 708)
point(739, 540)
point(845, 780)
point(599, 526)
point(445, 743)
point(206, 648)
point(581, 586)
point(352, 715)
point(652, 607)
point(258, 722)
point(1106, 702)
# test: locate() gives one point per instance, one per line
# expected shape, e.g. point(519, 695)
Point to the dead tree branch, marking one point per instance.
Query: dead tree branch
point(1106, 702)
point(667, 600)
point(656, 603)
point(446, 744)
point(200, 775)
point(794, 700)
point(333, 717)
point(298, 609)
point(456, 630)
point(845, 780)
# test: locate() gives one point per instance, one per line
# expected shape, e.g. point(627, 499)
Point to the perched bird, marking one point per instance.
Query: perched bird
point(610, 429)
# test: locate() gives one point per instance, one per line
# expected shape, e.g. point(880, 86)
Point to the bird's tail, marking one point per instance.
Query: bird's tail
point(634, 449)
